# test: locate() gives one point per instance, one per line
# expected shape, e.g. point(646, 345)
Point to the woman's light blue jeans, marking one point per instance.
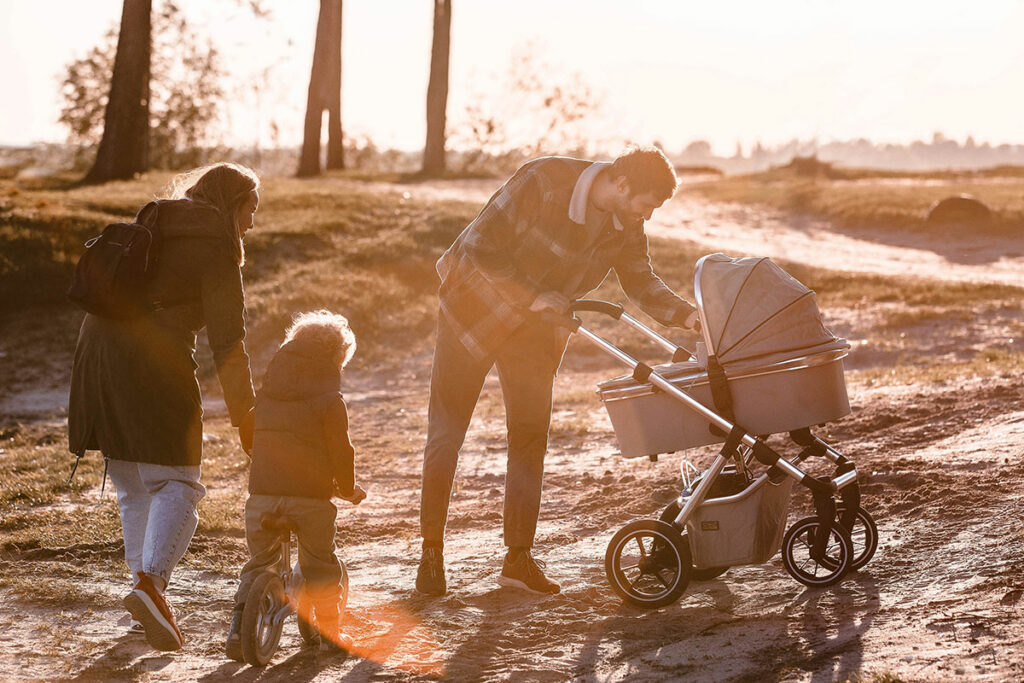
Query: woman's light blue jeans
point(158, 513)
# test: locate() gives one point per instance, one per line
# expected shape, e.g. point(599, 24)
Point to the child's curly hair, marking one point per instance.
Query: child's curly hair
point(329, 331)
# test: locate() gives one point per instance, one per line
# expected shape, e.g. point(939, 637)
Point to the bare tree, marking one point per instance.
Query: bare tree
point(124, 148)
point(185, 93)
point(437, 89)
point(324, 93)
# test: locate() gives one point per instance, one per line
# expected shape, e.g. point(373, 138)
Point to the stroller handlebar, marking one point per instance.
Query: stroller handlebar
point(569, 322)
point(616, 311)
point(597, 306)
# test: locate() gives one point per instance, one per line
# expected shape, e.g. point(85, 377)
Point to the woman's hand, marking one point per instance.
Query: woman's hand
point(357, 496)
point(246, 430)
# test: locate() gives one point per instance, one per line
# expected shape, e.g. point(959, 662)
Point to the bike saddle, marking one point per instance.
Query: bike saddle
point(274, 522)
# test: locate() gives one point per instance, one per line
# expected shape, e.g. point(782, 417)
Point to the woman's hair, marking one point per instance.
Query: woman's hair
point(647, 169)
point(223, 186)
point(325, 330)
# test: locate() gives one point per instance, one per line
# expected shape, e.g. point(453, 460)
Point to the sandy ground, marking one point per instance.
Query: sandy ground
point(941, 600)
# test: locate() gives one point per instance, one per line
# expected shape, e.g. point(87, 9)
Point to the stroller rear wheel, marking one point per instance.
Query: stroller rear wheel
point(863, 533)
point(703, 574)
point(648, 563)
point(799, 558)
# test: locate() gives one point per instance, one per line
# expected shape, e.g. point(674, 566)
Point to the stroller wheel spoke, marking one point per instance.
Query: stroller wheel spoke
point(661, 578)
point(640, 542)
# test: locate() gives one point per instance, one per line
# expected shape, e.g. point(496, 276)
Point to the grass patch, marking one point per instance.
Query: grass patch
point(920, 315)
point(327, 243)
point(870, 202)
point(69, 590)
point(992, 362)
point(35, 464)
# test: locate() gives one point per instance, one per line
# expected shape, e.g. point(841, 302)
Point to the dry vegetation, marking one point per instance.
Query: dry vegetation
point(871, 199)
point(931, 359)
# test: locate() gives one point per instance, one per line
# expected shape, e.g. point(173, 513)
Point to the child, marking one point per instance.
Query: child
point(301, 456)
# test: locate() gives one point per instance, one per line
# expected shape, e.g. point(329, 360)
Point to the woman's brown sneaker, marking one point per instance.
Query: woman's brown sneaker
point(147, 605)
point(430, 575)
point(522, 571)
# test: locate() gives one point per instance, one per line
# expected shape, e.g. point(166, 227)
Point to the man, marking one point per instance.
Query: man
point(550, 234)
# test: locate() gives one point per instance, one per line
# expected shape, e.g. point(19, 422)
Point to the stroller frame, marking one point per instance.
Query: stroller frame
point(826, 539)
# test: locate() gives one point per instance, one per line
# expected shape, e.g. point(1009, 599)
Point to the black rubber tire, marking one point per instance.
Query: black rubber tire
point(307, 629)
point(259, 636)
point(796, 555)
point(706, 574)
point(864, 535)
point(662, 550)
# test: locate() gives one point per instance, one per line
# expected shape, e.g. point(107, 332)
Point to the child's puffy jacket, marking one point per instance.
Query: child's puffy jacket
point(301, 445)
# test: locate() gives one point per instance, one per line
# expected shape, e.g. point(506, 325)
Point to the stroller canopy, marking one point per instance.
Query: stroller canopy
point(750, 308)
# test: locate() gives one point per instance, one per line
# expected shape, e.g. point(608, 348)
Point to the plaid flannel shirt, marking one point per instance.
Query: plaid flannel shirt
point(524, 242)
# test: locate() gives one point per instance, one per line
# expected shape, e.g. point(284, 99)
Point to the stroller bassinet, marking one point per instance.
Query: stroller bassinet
point(770, 363)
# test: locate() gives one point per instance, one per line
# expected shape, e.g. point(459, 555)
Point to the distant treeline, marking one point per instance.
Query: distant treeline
point(940, 153)
point(365, 157)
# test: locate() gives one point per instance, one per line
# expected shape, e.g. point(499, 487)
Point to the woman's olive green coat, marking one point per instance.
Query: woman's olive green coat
point(134, 392)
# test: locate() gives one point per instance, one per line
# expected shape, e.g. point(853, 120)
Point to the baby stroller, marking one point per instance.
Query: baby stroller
point(766, 365)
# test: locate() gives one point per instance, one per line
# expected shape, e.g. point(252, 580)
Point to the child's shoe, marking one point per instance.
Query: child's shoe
point(234, 644)
point(333, 640)
point(147, 605)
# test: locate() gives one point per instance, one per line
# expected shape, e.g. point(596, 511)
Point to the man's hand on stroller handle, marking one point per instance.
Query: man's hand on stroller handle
point(692, 321)
point(550, 301)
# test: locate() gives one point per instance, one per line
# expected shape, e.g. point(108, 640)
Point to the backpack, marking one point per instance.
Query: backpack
point(111, 277)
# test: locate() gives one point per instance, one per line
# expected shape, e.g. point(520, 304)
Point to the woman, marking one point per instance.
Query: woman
point(134, 392)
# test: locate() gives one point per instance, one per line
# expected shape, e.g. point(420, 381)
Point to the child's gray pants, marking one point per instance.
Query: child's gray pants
point(314, 522)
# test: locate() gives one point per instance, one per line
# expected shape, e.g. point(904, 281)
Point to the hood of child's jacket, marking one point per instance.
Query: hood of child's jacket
point(300, 371)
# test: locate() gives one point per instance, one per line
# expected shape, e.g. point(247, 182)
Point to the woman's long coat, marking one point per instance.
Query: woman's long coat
point(134, 392)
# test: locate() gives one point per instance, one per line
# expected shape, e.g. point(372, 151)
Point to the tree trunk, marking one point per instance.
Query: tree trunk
point(437, 89)
point(124, 148)
point(335, 142)
point(324, 93)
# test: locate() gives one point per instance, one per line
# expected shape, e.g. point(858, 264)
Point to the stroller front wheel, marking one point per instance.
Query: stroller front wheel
point(804, 565)
point(648, 563)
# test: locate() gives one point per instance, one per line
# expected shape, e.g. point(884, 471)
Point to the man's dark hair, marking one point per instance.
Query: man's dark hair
point(647, 169)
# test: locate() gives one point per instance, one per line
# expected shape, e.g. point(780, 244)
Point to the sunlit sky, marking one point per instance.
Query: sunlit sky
point(670, 70)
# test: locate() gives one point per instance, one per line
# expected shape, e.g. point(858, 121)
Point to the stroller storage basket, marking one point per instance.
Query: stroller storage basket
point(779, 397)
point(745, 528)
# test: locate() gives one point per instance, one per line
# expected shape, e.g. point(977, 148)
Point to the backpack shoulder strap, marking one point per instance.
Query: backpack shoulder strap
point(147, 215)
